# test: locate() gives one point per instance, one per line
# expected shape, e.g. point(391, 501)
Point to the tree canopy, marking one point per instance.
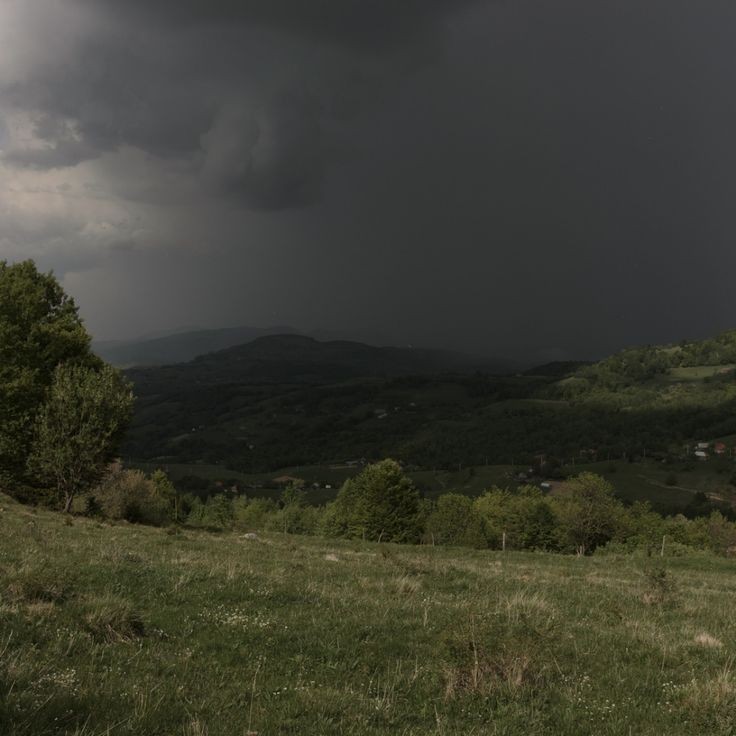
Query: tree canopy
point(379, 504)
point(78, 429)
point(62, 411)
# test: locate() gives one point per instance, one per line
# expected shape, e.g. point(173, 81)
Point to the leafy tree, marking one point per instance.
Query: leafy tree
point(588, 514)
point(379, 504)
point(40, 329)
point(293, 495)
point(640, 527)
point(218, 511)
point(530, 520)
point(456, 521)
point(168, 492)
point(527, 518)
point(78, 428)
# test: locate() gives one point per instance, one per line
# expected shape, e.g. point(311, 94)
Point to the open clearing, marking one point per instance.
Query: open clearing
point(124, 629)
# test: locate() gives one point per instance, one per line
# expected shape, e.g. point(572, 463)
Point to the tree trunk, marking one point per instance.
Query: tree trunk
point(69, 497)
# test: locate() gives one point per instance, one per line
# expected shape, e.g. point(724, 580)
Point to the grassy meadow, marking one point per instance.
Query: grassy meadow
point(121, 629)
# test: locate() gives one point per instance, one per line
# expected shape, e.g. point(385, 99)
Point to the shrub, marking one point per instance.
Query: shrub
point(217, 512)
point(131, 496)
point(456, 521)
point(295, 519)
point(527, 518)
point(252, 513)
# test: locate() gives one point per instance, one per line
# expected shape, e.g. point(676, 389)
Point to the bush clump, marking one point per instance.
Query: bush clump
point(131, 496)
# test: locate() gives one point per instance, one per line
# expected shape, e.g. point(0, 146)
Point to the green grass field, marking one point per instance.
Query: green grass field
point(111, 630)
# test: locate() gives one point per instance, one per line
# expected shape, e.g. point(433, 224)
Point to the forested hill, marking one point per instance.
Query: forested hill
point(288, 400)
point(180, 347)
point(299, 359)
point(689, 373)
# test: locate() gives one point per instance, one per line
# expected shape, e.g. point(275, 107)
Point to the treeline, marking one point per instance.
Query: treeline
point(381, 504)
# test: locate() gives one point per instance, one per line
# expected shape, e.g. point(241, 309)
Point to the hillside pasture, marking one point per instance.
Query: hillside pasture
point(122, 629)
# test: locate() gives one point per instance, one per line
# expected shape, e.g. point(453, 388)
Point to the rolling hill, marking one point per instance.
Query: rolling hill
point(289, 401)
point(296, 359)
point(180, 347)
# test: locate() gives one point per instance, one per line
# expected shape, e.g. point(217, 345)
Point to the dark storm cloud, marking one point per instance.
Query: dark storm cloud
point(517, 177)
point(270, 156)
point(261, 114)
point(356, 23)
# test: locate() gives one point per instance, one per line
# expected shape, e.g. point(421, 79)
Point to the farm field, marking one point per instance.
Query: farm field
point(124, 629)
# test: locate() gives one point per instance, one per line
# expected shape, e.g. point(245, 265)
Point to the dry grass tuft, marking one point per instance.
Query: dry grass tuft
point(485, 674)
point(711, 695)
point(498, 656)
point(41, 609)
point(195, 727)
point(407, 585)
point(111, 619)
point(29, 585)
point(706, 640)
point(524, 604)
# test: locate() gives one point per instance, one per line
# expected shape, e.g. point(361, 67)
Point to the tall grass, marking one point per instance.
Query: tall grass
point(120, 629)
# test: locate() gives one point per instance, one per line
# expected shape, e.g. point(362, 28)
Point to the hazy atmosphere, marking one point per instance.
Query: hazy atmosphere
point(517, 178)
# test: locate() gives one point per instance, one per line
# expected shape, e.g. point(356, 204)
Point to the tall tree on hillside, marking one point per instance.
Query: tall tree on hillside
point(78, 428)
point(40, 328)
point(379, 504)
point(588, 513)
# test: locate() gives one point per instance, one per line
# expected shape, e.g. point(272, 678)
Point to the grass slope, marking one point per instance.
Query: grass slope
point(119, 630)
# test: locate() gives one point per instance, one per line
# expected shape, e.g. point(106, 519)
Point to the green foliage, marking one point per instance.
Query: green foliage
point(40, 329)
point(251, 513)
point(78, 428)
point(130, 496)
point(456, 521)
point(218, 512)
point(632, 405)
point(295, 519)
point(293, 495)
point(526, 517)
point(166, 490)
point(587, 514)
point(379, 504)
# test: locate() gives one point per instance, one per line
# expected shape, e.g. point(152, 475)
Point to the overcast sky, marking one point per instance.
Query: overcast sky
point(553, 178)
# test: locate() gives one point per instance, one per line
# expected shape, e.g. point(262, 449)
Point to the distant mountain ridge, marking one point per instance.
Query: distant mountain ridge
point(186, 345)
point(289, 400)
point(181, 347)
point(298, 359)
